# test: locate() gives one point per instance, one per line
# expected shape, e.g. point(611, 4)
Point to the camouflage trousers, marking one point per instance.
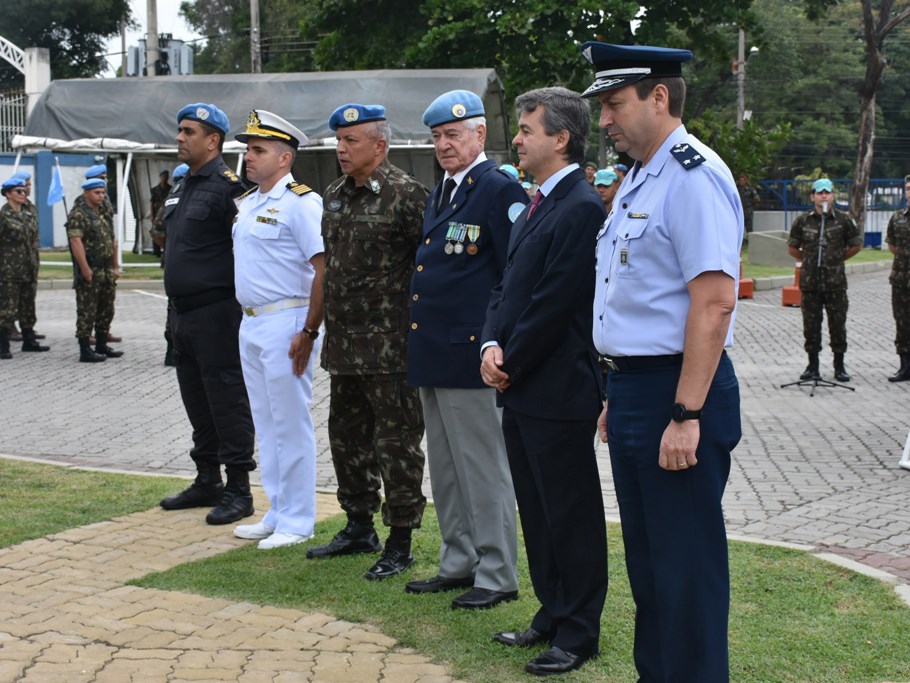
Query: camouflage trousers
point(900, 306)
point(834, 304)
point(95, 304)
point(375, 430)
point(17, 302)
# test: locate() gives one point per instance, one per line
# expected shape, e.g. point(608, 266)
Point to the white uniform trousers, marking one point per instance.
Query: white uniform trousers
point(472, 486)
point(280, 403)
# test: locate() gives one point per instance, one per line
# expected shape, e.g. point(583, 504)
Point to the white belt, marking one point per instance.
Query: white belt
point(276, 306)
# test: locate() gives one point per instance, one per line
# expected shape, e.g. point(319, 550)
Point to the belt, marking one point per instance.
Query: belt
point(276, 306)
point(631, 363)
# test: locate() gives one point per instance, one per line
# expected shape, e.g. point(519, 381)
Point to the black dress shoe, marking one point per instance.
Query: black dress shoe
point(233, 506)
point(196, 496)
point(527, 638)
point(481, 598)
point(354, 538)
point(438, 584)
point(556, 661)
point(390, 563)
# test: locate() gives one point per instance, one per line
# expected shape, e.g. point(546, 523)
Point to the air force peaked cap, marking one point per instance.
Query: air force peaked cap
point(180, 171)
point(265, 124)
point(355, 114)
point(207, 114)
point(617, 66)
point(455, 105)
point(92, 183)
point(96, 170)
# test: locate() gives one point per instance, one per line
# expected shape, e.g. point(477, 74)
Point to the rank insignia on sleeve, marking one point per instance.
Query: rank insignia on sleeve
point(687, 155)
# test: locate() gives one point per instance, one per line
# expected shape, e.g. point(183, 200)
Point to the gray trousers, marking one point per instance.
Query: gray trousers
point(472, 486)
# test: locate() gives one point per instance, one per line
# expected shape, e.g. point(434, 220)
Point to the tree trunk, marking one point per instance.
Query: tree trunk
point(864, 154)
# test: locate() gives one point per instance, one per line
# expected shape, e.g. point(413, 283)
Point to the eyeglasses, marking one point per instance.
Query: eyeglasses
point(19, 192)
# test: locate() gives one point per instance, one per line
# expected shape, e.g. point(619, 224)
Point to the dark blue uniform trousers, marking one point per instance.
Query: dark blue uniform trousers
point(673, 525)
point(557, 486)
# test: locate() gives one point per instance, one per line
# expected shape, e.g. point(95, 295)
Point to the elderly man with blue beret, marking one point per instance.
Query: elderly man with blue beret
point(460, 259)
point(667, 272)
point(371, 226)
point(96, 265)
point(205, 318)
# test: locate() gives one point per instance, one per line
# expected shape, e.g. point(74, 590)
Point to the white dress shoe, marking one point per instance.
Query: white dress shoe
point(253, 532)
point(279, 540)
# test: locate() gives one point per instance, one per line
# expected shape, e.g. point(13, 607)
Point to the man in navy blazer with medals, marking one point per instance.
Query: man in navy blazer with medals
point(538, 354)
point(460, 259)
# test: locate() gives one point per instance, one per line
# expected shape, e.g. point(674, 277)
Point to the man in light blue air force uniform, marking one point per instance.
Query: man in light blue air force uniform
point(664, 305)
point(278, 272)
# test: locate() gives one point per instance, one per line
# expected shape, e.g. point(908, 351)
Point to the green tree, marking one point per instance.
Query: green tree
point(751, 149)
point(75, 32)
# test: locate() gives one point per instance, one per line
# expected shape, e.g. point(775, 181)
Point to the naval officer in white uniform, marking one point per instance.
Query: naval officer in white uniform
point(278, 271)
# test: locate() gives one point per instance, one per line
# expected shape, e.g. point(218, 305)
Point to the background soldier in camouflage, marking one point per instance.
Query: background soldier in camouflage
point(749, 197)
point(372, 221)
point(898, 239)
point(158, 194)
point(824, 286)
point(97, 268)
point(18, 267)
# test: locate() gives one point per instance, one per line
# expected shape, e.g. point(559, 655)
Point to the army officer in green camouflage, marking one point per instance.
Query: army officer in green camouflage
point(898, 239)
point(18, 267)
point(825, 284)
point(96, 267)
point(372, 221)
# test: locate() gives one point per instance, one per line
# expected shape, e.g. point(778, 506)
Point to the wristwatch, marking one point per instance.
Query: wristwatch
point(312, 334)
point(679, 413)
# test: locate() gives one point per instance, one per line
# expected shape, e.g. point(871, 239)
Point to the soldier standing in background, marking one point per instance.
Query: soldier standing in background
point(824, 285)
point(96, 257)
point(749, 197)
point(159, 193)
point(898, 239)
point(371, 225)
point(18, 267)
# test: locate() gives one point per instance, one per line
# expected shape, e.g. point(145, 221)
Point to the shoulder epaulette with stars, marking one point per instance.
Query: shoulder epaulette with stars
point(298, 188)
point(247, 193)
point(687, 155)
point(230, 175)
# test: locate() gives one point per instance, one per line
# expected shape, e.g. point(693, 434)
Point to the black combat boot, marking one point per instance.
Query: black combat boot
point(30, 341)
point(4, 345)
point(396, 557)
point(358, 536)
point(840, 372)
point(903, 372)
point(811, 371)
point(204, 492)
point(237, 501)
point(105, 350)
point(86, 355)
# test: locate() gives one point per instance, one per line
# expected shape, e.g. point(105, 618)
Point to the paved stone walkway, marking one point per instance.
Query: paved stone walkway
point(66, 616)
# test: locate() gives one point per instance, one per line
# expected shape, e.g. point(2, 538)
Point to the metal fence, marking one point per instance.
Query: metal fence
point(12, 117)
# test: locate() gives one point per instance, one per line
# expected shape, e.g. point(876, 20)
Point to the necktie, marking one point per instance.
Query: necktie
point(534, 203)
point(446, 197)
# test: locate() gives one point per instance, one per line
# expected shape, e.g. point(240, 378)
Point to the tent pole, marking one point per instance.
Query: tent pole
point(122, 173)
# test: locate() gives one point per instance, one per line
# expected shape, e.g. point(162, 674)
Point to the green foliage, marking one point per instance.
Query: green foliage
point(750, 149)
point(75, 32)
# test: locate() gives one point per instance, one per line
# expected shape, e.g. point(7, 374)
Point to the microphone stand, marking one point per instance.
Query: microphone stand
point(820, 290)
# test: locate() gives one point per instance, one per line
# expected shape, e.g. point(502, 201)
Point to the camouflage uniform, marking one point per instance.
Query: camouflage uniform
point(824, 287)
point(94, 300)
point(898, 236)
point(749, 197)
point(18, 267)
point(375, 419)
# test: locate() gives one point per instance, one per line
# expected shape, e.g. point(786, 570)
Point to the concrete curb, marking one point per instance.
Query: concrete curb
point(779, 281)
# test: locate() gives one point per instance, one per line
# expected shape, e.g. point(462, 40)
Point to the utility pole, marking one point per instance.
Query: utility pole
point(741, 79)
point(151, 55)
point(123, 55)
point(255, 53)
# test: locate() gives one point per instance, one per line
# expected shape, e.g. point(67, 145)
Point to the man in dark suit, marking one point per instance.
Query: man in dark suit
point(537, 353)
point(460, 260)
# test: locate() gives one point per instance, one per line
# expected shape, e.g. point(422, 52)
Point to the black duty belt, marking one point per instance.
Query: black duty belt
point(183, 304)
point(631, 363)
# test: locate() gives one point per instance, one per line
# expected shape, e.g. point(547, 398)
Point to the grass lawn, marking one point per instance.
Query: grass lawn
point(794, 618)
point(864, 256)
point(149, 271)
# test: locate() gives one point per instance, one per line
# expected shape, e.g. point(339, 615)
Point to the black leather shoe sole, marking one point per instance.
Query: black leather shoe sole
point(527, 638)
point(483, 598)
point(438, 584)
point(556, 661)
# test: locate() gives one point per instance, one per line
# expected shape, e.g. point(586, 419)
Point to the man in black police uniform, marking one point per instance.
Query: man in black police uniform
point(205, 319)
point(463, 252)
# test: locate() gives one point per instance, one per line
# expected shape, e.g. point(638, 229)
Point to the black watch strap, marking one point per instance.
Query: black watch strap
point(312, 334)
point(679, 413)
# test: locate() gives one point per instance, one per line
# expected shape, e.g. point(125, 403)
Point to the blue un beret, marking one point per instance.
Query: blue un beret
point(180, 171)
point(96, 170)
point(355, 114)
point(25, 175)
point(92, 183)
point(455, 105)
point(15, 181)
point(206, 114)
point(620, 65)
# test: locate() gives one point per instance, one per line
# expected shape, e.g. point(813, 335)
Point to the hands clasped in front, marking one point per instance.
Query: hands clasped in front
point(490, 369)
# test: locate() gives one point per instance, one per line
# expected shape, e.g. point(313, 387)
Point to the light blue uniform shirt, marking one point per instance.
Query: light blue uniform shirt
point(671, 221)
point(275, 236)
